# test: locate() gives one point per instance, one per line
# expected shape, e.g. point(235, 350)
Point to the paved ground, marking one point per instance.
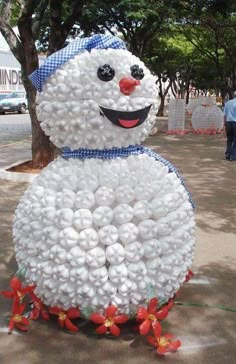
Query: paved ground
point(15, 138)
point(208, 335)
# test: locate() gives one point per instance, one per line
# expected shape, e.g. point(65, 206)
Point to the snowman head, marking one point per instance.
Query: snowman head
point(95, 94)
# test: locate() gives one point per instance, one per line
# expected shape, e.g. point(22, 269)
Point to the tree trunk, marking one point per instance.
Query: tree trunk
point(161, 106)
point(42, 150)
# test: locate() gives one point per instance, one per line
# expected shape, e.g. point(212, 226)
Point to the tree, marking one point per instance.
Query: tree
point(29, 15)
point(210, 26)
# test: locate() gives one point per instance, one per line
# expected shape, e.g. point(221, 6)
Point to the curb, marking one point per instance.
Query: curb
point(16, 176)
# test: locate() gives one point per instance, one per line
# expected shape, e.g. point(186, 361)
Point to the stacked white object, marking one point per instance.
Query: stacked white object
point(192, 104)
point(176, 115)
point(207, 117)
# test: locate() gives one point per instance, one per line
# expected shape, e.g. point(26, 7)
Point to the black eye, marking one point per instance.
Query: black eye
point(106, 72)
point(136, 72)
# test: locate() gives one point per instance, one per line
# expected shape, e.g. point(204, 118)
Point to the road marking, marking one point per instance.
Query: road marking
point(8, 145)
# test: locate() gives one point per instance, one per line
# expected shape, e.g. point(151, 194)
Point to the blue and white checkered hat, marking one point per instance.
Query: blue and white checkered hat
point(98, 41)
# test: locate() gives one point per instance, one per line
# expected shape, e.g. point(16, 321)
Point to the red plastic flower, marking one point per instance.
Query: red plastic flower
point(108, 322)
point(38, 308)
point(189, 276)
point(18, 292)
point(17, 320)
point(64, 317)
point(150, 316)
point(163, 343)
point(170, 303)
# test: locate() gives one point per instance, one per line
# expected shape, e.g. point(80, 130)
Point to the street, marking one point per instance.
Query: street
point(15, 138)
point(14, 128)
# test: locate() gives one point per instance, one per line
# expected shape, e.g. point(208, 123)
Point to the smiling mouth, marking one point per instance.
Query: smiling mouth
point(126, 119)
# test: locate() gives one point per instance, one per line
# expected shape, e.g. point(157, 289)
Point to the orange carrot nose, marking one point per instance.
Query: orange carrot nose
point(127, 85)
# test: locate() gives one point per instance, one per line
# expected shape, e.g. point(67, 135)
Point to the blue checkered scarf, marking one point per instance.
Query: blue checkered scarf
point(98, 41)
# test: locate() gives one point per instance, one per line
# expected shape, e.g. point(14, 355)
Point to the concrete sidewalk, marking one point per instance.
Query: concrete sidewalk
point(208, 335)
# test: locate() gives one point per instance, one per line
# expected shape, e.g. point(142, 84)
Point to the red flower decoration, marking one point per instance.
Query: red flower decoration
point(38, 308)
point(188, 276)
point(64, 317)
point(150, 316)
point(18, 292)
point(108, 322)
point(17, 320)
point(163, 343)
point(170, 303)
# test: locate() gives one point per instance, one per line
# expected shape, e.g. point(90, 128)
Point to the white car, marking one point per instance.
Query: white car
point(16, 101)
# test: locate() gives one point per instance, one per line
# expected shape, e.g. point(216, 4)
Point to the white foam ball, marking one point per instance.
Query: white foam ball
point(108, 288)
point(137, 270)
point(64, 217)
point(76, 256)
point(65, 198)
point(69, 183)
point(123, 213)
point(142, 210)
point(79, 274)
point(128, 232)
point(82, 219)
point(88, 290)
point(115, 253)
point(108, 234)
point(88, 239)
point(104, 196)
point(143, 191)
point(48, 215)
point(153, 265)
point(84, 199)
point(95, 257)
point(119, 300)
point(98, 276)
point(134, 251)
point(68, 237)
point(147, 229)
point(109, 180)
point(102, 215)
point(152, 248)
point(125, 287)
point(88, 182)
point(124, 194)
point(117, 273)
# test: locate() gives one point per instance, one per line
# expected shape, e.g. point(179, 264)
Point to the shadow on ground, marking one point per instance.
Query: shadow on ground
point(208, 335)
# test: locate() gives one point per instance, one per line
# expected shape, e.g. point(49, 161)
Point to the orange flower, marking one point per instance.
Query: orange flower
point(17, 320)
point(18, 292)
point(163, 343)
point(150, 316)
point(38, 308)
point(64, 317)
point(108, 322)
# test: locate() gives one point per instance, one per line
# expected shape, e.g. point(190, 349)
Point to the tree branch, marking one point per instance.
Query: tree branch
point(75, 14)
point(7, 31)
point(36, 22)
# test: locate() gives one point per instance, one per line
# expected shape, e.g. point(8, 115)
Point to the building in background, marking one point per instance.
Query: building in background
point(10, 69)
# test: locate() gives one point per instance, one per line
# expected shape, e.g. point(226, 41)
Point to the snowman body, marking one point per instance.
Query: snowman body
point(106, 223)
point(95, 232)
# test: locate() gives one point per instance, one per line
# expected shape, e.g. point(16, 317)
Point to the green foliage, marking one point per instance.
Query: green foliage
point(196, 38)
